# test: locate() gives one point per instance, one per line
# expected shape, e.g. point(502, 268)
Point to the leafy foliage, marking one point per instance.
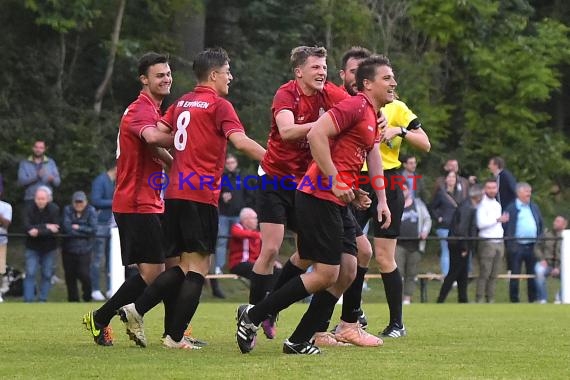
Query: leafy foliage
point(486, 77)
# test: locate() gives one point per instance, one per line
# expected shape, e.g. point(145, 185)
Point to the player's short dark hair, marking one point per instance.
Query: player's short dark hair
point(489, 180)
point(300, 54)
point(149, 59)
point(207, 60)
point(356, 52)
point(367, 69)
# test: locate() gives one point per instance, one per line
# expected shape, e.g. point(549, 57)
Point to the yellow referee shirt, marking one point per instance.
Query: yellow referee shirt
point(397, 114)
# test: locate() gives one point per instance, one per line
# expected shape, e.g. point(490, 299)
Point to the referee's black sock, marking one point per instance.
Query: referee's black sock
point(393, 289)
point(352, 297)
point(288, 271)
point(159, 289)
point(259, 286)
point(316, 318)
point(186, 304)
point(131, 289)
point(288, 294)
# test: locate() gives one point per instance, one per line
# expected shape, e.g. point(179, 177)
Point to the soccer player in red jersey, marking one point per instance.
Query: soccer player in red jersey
point(326, 227)
point(398, 118)
point(296, 105)
point(137, 206)
point(202, 122)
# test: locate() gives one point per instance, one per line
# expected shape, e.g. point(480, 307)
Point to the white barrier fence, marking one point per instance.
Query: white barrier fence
point(565, 267)
point(116, 268)
point(117, 271)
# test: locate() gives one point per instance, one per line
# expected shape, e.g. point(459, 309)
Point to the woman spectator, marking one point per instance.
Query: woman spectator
point(442, 207)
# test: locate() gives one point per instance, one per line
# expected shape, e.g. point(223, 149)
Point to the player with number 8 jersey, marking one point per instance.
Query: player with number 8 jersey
point(199, 160)
point(202, 122)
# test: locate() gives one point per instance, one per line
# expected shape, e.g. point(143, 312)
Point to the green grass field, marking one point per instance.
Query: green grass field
point(499, 341)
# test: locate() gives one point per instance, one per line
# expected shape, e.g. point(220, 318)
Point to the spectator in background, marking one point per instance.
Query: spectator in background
point(5, 220)
point(490, 252)
point(102, 190)
point(525, 225)
point(232, 200)
point(41, 223)
point(548, 258)
point(462, 186)
point(415, 181)
point(80, 222)
point(37, 170)
point(442, 207)
point(463, 225)
point(506, 181)
point(415, 227)
point(245, 245)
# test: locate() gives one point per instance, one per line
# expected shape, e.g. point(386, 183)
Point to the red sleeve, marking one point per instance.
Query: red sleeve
point(334, 94)
point(168, 117)
point(242, 233)
point(347, 113)
point(227, 120)
point(283, 100)
point(140, 119)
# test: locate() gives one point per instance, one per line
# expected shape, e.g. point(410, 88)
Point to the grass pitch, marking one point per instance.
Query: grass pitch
point(499, 341)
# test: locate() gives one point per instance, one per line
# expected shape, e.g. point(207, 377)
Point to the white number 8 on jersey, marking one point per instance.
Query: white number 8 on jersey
point(181, 135)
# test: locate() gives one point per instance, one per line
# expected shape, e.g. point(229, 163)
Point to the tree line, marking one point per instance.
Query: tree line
point(485, 77)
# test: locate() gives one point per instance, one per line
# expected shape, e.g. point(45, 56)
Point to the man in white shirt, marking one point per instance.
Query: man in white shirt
point(490, 252)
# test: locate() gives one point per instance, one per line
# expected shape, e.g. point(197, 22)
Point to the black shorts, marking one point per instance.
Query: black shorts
point(326, 230)
point(395, 200)
point(141, 238)
point(357, 230)
point(189, 227)
point(276, 201)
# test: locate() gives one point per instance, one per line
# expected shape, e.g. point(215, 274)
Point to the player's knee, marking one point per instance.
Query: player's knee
point(269, 252)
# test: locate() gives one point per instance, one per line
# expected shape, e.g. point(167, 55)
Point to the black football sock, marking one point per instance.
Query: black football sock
point(288, 271)
point(160, 288)
point(259, 286)
point(393, 289)
point(131, 289)
point(316, 318)
point(288, 294)
point(186, 304)
point(169, 301)
point(352, 297)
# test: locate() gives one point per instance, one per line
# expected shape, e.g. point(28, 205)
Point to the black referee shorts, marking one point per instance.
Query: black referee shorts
point(395, 200)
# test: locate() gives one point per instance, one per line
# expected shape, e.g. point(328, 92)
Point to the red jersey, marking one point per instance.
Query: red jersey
point(136, 161)
point(355, 120)
point(202, 121)
point(245, 245)
point(291, 158)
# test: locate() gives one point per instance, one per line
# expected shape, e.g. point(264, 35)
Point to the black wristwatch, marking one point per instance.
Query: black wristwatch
point(403, 132)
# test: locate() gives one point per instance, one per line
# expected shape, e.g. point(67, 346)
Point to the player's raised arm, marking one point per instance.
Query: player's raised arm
point(153, 136)
point(288, 129)
point(247, 145)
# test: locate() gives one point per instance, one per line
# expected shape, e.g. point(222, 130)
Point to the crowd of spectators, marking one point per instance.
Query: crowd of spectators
point(503, 229)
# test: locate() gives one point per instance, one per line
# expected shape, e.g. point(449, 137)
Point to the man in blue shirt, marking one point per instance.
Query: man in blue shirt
point(37, 170)
point(524, 225)
point(102, 190)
